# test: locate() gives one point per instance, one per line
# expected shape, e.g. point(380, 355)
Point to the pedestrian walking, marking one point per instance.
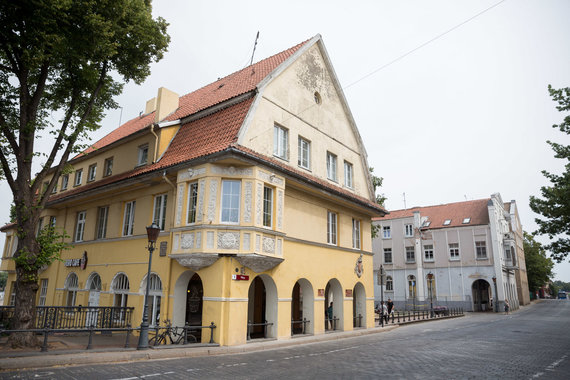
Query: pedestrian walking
point(390, 306)
point(383, 312)
point(507, 306)
point(330, 315)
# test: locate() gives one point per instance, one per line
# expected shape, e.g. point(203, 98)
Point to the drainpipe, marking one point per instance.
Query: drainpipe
point(155, 153)
point(169, 275)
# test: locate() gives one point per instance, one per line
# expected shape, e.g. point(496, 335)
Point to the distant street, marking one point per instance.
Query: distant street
point(533, 343)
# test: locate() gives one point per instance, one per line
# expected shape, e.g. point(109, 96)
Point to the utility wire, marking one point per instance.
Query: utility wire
point(424, 44)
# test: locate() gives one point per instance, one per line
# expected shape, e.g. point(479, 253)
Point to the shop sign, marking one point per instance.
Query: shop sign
point(240, 277)
point(82, 262)
point(348, 292)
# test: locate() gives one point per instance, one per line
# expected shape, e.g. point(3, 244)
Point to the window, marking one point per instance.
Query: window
point(43, 292)
point(280, 142)
point(40, 226)
point(12, 294)
point(304, 155)
point(408, 230)
point(267, 206)
point(355, 233)
point(428, 252)
point(410, 255)
point(454, 251)
point(108, 168)
point(54, 190)
point(120, 288)
point(431, 285)
point(412, 286)
point(71, 287)
point(64, 181)
point(331, 166)
point(159, 214)
point(143, 155)
point(331, 227)
point(389, 283)
point(192, 202)
point(466, 220)
point(230, 201)
point(80, 226)
point(92, 173)
point(154, 299)
point(102, 214)
point(447, 222)
point(78, 177)
point(129, 218)
point(386, 233)
point(481, 248)
point(52, 220)
point(387, 255)
point(348, 175)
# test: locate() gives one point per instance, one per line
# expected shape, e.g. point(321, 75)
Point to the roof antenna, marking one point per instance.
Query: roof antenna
point(254, 46)
point(120, 116)
point(404, 194)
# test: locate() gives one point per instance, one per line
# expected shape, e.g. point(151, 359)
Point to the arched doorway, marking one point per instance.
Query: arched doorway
point(482, 295)
point(94, 287)
point(262, 308)
point(302, 308)
point(333, 294)
point(194, 304)
point(359, 305)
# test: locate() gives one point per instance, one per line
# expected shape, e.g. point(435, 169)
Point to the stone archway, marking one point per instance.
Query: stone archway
point(188, 300)
point(302, 307)
point(333, 293)
point(482, 295)
point(262, 307)
point(359, 305)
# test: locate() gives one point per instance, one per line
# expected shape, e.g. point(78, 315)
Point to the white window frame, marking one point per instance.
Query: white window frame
point(389, 284)
point(43, 292)
point(408, 230)
point(453, 251)
point(230, 212)
point(159, 210)
point(71, 286)
point(304, 154)
point(331, 166)
point(64, 181)
point(356, 239)
point(108, 167)
point(481, 249)
point(410, 252)
point(129, 218)
point(386, 232)
point(102, 216)
point(191, 214)
point(142, 157)
point(428, 253)
point(80, 226)
point(267, 206)
point(92, 173)
point(280, 142)
point(348, 175)
point(332, 227)
point(388, 251)
point(78, 177)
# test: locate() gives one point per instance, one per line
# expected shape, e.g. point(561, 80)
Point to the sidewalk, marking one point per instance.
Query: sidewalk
point(69, 349)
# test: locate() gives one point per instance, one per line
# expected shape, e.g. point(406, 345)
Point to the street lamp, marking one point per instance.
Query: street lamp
point(430, 280)
point(152, 232)
point(496, 295)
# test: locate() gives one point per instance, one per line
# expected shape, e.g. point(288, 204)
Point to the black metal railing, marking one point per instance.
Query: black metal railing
point(419, 315)
point(264, 324)
point(331, 321)
point(180, 334)
point(73, 317)
point(357, 320)
point(300, 325)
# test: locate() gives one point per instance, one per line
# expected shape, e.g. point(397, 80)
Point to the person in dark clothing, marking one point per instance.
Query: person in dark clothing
point(390, 306)
point(330, 315)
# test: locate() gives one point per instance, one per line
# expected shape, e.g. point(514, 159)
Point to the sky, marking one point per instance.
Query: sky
point(450, 97)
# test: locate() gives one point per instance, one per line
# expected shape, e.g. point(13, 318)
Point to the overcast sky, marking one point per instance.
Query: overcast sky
point(450, 97)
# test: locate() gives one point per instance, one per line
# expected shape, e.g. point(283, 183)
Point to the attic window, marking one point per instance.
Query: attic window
point(466, 220)
point(426, 223)
point(447, 222)
point(318, 98)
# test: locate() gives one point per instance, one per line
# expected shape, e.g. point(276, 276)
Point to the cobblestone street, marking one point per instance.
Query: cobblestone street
point(528, 344)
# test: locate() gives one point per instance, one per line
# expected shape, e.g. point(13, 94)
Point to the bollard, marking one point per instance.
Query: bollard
point(212, 327)
point(89, 343)
point(359, 320)
point(304, 325)
point(45, 345)
point(128, 335)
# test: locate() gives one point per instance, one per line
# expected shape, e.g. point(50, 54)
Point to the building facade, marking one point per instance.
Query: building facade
point(466, 254)
point(259, 183)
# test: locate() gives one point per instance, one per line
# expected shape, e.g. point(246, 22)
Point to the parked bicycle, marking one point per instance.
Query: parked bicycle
point(174, 334)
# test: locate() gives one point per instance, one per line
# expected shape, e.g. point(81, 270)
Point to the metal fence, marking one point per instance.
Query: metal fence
point(75, 317)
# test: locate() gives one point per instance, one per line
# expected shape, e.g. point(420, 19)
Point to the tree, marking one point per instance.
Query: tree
point(3, 279)
point(380, 198)
point(554, 205)
point(538, 266)
point(65, 59)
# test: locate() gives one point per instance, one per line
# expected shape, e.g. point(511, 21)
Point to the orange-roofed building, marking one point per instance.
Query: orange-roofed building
point(466, 254)
point(260, 186)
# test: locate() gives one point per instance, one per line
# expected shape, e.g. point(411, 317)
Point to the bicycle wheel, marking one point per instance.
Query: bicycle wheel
point(157, 340)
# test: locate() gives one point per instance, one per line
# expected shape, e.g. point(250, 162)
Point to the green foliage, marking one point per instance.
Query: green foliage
point(554, 205)
point(380, 198)
point(3, 280)
point(538, 266)
point(561, 285)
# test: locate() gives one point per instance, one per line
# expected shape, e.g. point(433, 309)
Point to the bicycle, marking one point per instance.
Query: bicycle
point(175, 334)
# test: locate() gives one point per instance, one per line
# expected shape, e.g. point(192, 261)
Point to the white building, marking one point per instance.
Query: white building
point(466, 254)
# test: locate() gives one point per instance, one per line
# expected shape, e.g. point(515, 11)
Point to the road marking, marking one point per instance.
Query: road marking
point(151, 375)
point(550, 367)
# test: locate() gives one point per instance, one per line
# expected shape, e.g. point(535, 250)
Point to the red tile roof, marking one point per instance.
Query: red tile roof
point(457, 212)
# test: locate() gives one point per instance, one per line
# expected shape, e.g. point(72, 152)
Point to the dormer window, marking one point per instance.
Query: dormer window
point(447, 222)
point(143, 154)
point(466, 220)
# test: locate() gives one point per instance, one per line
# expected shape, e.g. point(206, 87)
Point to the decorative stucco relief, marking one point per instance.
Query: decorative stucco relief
point(231, 170)
point(187, 241)
point(228, 240)
point(268, 244)
point(280, 209)
point(258, 203)
point(190, 173)
point(280, 246)
point(271, 178)
point(176, 242)
point(195, 261)
point(210, 239)
point(179, 201)
point(198, 242)
point(201, 191)
point(212, 200)
point(257, 242)
point(248, 194)
point(246, 241)
point(259, 263)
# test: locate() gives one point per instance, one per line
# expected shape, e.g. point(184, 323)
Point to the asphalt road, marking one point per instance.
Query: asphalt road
point(533, 343)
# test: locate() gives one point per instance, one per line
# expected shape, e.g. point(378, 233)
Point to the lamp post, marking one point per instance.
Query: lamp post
point(496, 295)
point(382, 282)
point(430, 279)
point(152, 232)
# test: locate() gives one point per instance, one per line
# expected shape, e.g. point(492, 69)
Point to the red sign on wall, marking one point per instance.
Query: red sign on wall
point(240, 277)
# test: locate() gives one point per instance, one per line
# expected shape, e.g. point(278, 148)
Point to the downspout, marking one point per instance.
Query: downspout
point(169, 275)
point(155, 153)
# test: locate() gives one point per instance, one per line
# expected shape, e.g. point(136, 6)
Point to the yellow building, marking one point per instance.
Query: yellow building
point(260, 185)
